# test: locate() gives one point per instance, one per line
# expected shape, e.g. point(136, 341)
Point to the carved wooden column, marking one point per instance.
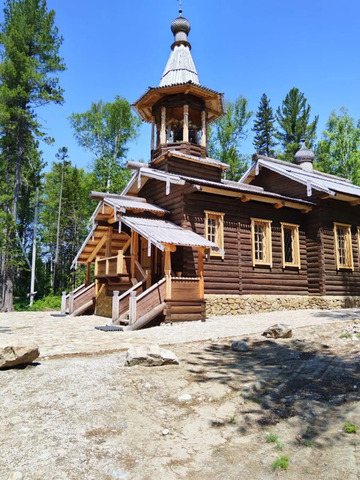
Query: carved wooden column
point(153, 133)
point(163, 126)
point(186, 124)
point(203, 129)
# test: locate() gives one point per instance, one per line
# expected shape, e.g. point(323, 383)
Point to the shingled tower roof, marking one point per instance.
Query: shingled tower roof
point(180, 67)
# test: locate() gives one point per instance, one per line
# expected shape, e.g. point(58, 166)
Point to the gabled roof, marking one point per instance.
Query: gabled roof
point(192, 158)
point(225, 187)
point(161, 232)
point(315, 180)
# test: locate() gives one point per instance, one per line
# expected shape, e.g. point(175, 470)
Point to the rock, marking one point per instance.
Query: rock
point(16, 476)
point(166, 431)
point(20, 354)
point(186, 397)
point(279, 330)
point(149, 356)
point(240, 346)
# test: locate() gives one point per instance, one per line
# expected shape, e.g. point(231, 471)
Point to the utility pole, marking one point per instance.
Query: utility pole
point(33, 260)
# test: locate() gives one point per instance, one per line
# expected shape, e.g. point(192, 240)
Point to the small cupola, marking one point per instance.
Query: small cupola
point(180, 108)
point(304, 157)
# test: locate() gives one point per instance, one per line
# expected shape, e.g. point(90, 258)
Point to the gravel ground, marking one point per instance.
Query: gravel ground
point(82, 415)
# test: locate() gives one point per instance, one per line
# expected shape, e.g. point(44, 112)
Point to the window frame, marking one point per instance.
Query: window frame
point(295, 245)
point(219, 231)
point(268, 241)
point(347, 244)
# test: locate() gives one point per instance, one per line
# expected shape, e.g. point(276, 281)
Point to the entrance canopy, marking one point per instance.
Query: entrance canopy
point(162, 232)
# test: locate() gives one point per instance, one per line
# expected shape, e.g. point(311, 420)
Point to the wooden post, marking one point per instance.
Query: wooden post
point(120, 262)
point(109, 235)
point(201, 271)
point(163, 125)
point(186, 124)
point(134, 251)
point(132, 307)
point(167, 271)
point(153, 133)
point(96, 273)
point(115, 305)
point(63, 303)
point(71, 303)
point(203, 128)
point(88, 274)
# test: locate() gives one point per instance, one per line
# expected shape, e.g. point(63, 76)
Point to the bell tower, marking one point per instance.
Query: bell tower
point(180, 108)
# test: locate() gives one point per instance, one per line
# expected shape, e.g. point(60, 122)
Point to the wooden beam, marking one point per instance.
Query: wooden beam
point(167, 271)
point(257, 198)
point(170, 247)
point(279, 205)
point(97, 248)
point(244, 199)
point(109, 235)
point(355, 203)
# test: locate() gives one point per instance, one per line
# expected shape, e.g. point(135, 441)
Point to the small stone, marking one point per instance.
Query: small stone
point(279, 330)
point(166, 431)
point(149, 356)
point(18, 354)
point(240, 346)
point(16, 476)
point(186, 397)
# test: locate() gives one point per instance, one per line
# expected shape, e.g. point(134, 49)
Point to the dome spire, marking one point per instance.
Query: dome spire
point(180, 67)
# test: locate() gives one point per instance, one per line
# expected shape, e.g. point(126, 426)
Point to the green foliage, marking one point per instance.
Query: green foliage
point(106, 129)
point(338, 152)
point(345, 335)
point(29, 63)
point(271, 438)
point(293, 119)
point(264, 128)
point(350, 428)
point(43, 304)
point(226, 137)
point(76, 207)
point(282, 462)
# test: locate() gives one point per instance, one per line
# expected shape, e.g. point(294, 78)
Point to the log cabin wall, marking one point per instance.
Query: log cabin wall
point(339, 281)
point(314, 248)
point(235, 273)
point(182, 166)
point(273, 182)
point(155, 192)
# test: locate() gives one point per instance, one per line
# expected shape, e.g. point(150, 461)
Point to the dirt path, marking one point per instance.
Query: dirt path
point(90, 418)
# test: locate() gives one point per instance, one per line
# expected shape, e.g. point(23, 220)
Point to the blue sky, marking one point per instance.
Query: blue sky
point(239, 48)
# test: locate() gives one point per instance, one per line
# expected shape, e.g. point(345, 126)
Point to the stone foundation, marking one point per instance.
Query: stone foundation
point(245, 304)
point(103, 306)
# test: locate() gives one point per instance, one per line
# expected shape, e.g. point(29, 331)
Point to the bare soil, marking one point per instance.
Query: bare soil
point(90, 418)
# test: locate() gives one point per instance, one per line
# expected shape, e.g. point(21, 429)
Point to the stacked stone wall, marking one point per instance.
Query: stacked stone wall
point(245, 304)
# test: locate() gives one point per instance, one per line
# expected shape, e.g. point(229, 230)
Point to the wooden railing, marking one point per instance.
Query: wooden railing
point(111, 266)
point(147, 301)
point(120, 303)
point(183, 288)
point(78, 298)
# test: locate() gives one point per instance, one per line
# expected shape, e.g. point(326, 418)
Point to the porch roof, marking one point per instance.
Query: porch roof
point(161, 232)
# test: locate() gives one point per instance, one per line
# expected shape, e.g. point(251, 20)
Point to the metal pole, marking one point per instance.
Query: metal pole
point(33, 260)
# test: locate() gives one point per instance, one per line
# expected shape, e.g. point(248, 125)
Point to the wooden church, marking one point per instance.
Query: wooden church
point(180, 231)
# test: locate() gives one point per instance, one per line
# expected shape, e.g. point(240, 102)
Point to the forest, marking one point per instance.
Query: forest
point(45, 209)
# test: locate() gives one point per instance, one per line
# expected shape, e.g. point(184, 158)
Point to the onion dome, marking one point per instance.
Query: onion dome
point(180, 24)
point(304, 155)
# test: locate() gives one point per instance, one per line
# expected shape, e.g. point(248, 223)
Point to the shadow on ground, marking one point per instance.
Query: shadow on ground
point(283, 379)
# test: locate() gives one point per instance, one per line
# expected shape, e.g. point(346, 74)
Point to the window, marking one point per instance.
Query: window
point(290, 245)
point(214, 231)
point(261, 241)
point(343, 246)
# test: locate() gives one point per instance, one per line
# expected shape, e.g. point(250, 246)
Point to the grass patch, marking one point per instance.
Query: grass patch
point(350, 428)
point(308, 443)
point(282, 462)
point(279, 446)
point(345, 335)
point(271, 438)
point(51, 302)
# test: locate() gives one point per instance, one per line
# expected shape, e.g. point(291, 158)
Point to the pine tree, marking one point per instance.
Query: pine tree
point(29, 59)
point(226, 137)
point(264, 128)
point(294, 124)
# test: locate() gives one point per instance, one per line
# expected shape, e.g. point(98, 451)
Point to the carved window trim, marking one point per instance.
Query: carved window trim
point(293, 230)
point(343, 246)
point(214, 231)
point(261, 242)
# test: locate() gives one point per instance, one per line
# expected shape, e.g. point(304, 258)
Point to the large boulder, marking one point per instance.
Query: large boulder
point(279, 330)
point(18, 354)
point(239, 346)
point(149, 356)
